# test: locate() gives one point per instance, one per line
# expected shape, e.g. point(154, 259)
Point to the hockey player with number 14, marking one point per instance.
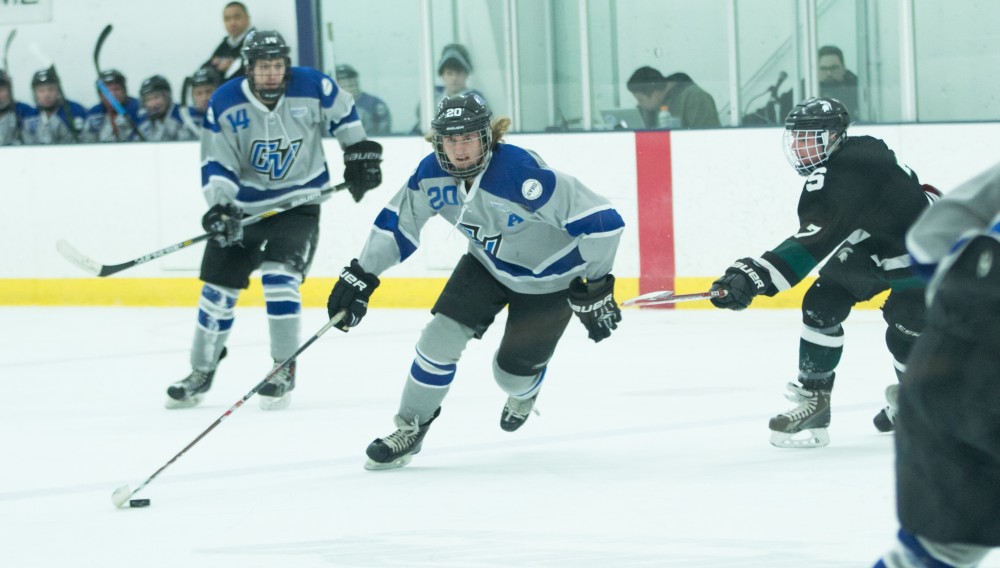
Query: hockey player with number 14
point(261, 148)
point(857, 203)
point(541, 244)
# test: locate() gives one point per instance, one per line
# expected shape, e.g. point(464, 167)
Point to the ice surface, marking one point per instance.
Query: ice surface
point(651, 450)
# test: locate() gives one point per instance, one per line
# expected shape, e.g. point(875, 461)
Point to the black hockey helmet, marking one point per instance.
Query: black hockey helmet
point(813, 130)
point(155, 84)
point(113, 76)
point(457, 116)
point(266, 45)
point(46, 76)
point(207, 75)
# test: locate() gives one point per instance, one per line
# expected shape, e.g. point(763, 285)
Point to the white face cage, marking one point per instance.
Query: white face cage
point(478, 165)
point(806, 150)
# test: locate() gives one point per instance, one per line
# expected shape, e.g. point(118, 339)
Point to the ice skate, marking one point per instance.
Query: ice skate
point(516, 411)
point(276, 394)
point(885, 420)
point(398, 448)
point(805, 425)
point(189, 391)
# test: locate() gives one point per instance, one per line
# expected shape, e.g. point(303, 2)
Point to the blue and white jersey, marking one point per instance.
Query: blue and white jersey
point(532, 227)
point(170, 127)
point(55, 128)
point(942, 232)
point(256, 157)
point(114, 128)
point(11, 123)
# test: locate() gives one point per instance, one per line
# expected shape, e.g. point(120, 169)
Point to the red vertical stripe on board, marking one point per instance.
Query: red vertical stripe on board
point(656, 211)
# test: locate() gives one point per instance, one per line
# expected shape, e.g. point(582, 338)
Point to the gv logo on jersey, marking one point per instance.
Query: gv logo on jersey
point(267, 157)
point(489, 244)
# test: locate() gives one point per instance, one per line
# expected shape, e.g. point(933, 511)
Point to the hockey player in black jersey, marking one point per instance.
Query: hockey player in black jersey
point(857, 203)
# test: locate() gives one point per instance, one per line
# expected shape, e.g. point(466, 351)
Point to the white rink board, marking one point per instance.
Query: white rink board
point(734, 195)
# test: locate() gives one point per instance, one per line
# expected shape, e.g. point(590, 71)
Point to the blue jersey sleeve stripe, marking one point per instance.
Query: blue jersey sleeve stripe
point(388, 220)
point(213, 168)
point(603, 221)
point(351, 117)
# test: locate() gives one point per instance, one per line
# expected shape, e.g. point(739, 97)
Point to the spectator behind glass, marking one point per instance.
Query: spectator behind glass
point(12, 113)
point(454, 69)
point(374, 112)
point(835, 81)
point(55, 120)
point(104, 124)
point(690, 103)
point(227, 59)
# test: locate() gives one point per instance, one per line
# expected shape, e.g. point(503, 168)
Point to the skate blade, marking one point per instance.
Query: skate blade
point(173, 404)
point(275, 402)
point(397, 463)
point(809, 438)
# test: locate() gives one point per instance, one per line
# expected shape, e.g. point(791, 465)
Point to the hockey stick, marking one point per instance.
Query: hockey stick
point(104, 88)
point(667, 297)
point(6, 49)
point(123, 494)
point(70, 253)
point(184, 111)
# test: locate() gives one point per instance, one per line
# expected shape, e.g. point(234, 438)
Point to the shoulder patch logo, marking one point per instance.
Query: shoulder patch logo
point(327, 87)
point(531, 189)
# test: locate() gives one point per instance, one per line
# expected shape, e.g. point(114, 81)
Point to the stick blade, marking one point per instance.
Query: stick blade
point(664, 297)
point(121, 496)
point(645, 299)
point(76, 257)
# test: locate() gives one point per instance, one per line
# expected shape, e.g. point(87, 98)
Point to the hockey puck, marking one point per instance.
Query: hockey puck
point(136, 503)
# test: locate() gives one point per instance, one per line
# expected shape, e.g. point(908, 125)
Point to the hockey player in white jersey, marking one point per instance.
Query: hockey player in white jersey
point(159, 118)
point(261, 148)
point(541, 244)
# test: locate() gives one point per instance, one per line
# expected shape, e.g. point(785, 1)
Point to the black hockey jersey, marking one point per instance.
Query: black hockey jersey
point(861, 194)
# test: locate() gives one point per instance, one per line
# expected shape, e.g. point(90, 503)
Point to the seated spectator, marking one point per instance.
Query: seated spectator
point(159, 118)
point(104, 122)
point(226, 58)
point(374, 112)
point(683, 98)
point(12, 113)
point(203, 84)
point(835, 80)
point(55, 120)
point(454, 69)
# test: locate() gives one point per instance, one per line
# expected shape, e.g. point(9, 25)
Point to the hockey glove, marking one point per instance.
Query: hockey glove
point(743, 280)
point(223, 222)
point(351, 293)
point(594, 303)
point(362, 171)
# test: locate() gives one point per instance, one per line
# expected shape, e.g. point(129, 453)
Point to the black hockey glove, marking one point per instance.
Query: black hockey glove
point(351, 293)
point(362, 171)
point(223, 223)
point(742, 281)
point(594, 303)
